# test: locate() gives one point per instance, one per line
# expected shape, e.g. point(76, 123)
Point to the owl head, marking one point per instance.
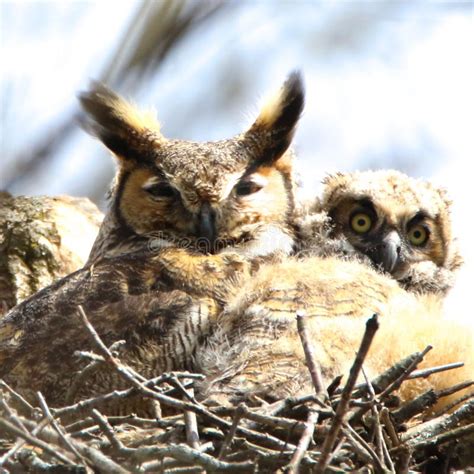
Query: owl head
point(402, 224)
point(216, 193)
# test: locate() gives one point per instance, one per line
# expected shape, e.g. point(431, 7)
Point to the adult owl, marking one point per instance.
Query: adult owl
point(232, 198)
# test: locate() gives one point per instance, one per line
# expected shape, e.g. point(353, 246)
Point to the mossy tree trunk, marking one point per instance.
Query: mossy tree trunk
point(42, 239)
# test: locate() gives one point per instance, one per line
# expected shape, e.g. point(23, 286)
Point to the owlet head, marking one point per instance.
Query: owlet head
point(221, 191)
point(402, 224)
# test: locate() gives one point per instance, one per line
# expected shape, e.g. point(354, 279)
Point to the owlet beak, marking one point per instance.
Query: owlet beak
point(387, 254)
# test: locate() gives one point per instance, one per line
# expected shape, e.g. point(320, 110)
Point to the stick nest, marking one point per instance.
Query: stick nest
point(360, 427)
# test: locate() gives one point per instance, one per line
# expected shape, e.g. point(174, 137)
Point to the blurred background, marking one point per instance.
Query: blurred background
point(389, 84)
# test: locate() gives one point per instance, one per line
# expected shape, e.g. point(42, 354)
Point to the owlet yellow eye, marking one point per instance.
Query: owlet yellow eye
point(417, 235)
point(361, 223)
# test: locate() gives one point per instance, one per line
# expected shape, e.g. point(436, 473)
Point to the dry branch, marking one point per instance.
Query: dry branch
point(372, 326)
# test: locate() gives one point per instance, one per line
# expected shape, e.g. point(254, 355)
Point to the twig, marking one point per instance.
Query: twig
point(385, 416)
point(311, 362)
point(425, 461)
point(18, 397)
point(99, 461)
point(292, 402)
point(456, 402)
point(20, 442)
point(336, 449)
point(238, 414)
point(157, 466)
point(382, 450)
point(293, 466)
point(34, 441)
point(190, 421)
point(441, 438)
point(415, 406)
point(382, 381)
point(395, 385)
point(352, 434)
point(107, 430)
point(184, 453)
point(455, 388)
point(435, 427)
point(57, 428)
point(96, 402)
point(371, 328)
point(334, 385)
point(188, 394)
point(403, 459)
point(109, 358)
point(80, 377)
point(424, 373)
point(34, 464)
point(12, 416)
point(414, 359)
point(170, 464)
point(288, 424)
point(147, 423)
point(359, 448)
point(161, 437)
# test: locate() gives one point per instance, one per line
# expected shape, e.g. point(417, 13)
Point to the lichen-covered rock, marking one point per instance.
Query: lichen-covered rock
point(42, 239)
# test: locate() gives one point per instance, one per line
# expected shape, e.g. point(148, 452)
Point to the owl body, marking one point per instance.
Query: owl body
point(160, 304)
point(399, 224)
point(187, 222)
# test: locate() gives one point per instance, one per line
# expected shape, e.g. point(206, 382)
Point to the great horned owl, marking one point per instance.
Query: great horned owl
point(400, 224)
point(234, 192)
point(160, 298)
point(255, 348)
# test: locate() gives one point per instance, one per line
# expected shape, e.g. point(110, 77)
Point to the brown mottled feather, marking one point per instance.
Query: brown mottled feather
point(146, 299)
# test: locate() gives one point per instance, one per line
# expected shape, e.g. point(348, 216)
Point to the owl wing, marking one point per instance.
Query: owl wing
point(149, 300)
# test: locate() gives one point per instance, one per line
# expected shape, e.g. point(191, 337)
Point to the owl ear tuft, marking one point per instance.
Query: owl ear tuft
point(276, 123)
point(127, 132)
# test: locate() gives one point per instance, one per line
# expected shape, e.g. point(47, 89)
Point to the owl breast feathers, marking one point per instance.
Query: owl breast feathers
point(400, 225)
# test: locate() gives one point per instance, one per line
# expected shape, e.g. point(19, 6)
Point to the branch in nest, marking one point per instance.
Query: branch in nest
point(415, 406)
point(313, 365)
point(371, 328)
point(435, 427)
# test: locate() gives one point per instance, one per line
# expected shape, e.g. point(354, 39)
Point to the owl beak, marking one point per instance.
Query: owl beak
point(206, 226)
point(387, 254)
